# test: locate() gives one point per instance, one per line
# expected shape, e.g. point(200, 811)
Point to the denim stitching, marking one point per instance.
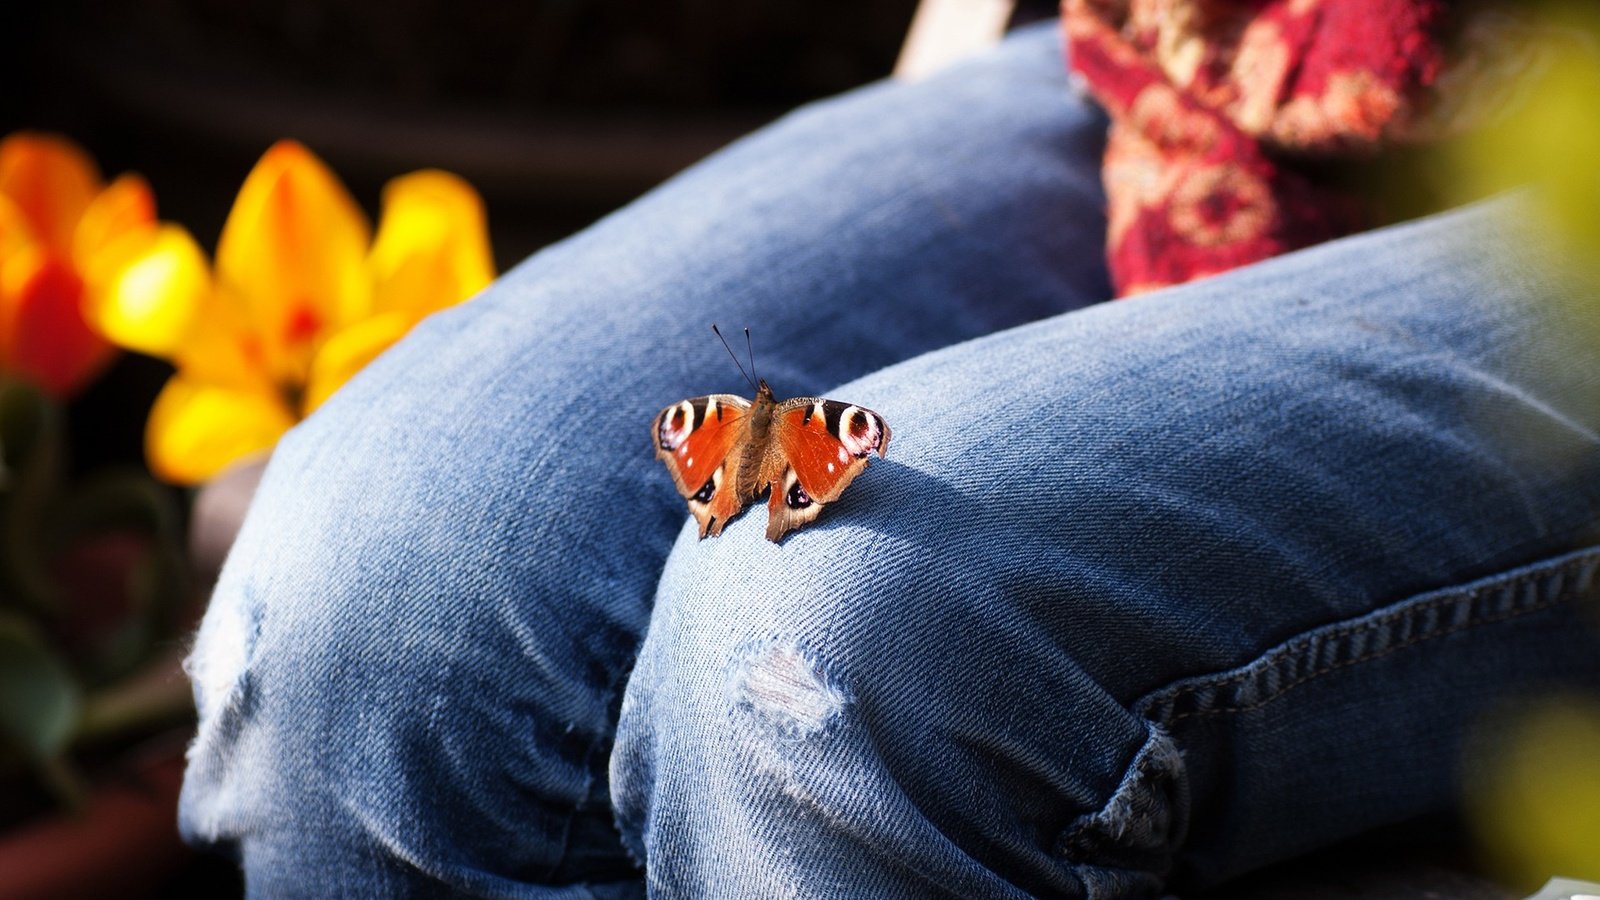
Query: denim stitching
point(1318, 673)
point(1297, 647)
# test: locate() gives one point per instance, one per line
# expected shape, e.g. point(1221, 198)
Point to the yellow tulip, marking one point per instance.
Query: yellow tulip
point(301, 297)
point(60, 231)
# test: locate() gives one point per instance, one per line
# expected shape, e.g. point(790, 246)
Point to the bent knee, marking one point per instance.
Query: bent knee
point(816, 706)
point(373, 690)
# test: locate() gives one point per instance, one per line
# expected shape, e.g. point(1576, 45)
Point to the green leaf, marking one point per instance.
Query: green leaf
point(39, 700)
point(31, 454)
point(128, 500)
point(117, 499)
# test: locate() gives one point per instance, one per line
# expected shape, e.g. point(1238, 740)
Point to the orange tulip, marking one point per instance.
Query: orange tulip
point(61, 231)
point(301, 297)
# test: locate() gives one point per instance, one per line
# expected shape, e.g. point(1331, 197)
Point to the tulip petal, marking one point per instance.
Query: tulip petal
point(15, 239)
point(197, 429)
point(15, 232)
point(126, 207)
point(146, 290)
point(51, 181)
point(292, 253)
point(432, 248)
point(51, 344)
point(349, 351)
point(224, 349)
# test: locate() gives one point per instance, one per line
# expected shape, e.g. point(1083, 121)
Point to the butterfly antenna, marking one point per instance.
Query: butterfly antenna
point(750, 350)
point(731, 355)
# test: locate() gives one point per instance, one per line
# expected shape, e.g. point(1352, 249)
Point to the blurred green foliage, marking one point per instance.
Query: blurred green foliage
point(93, 589)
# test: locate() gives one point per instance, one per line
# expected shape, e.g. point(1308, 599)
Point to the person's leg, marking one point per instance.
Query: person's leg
point(1161, 589)
point(409, 673)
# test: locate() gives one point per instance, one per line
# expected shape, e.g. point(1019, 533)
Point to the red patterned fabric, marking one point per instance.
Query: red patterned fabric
point(1216, 104)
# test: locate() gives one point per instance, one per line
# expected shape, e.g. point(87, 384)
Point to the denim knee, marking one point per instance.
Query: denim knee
point(390, 691)
point(802, 719)
point(942, 680)
point(414, 658)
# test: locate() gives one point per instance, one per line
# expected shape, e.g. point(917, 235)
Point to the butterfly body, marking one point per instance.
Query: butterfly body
point(724, 451)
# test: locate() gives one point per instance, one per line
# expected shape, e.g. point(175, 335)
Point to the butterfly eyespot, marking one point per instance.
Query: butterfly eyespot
point(704, 494)
point(675, 428)
point(860, 432)
point(859, 424)
point(797, 498)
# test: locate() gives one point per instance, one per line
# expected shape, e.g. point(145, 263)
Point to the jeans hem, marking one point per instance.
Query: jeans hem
point(1126, 847)
point(1339, 645)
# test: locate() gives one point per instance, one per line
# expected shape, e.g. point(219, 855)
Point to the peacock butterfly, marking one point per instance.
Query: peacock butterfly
point(724, 451)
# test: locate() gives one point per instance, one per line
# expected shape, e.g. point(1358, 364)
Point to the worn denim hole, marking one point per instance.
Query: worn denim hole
point(785, 687)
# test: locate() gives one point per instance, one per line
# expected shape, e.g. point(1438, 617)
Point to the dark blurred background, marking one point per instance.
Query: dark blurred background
point(558, 111)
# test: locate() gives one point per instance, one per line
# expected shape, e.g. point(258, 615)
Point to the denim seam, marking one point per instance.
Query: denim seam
point(1296, 647)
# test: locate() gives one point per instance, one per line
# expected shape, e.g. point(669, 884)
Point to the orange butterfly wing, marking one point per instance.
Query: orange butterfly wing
point(819, 446)
point(697, 438)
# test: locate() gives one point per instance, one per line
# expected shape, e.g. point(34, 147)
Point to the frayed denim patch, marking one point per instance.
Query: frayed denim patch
point(785, 688)
point(219, 666)
point(1126, 848)
point(218, 662)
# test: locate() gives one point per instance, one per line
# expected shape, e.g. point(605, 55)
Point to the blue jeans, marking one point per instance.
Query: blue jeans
point(1149, 593)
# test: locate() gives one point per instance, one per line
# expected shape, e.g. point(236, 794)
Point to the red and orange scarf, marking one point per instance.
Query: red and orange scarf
point(1220, 107)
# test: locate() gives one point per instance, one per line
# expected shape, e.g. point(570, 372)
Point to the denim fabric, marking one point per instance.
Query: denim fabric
point(1148, 592)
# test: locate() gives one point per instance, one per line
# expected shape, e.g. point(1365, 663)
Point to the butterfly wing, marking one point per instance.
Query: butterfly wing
point(702, 441)
point(818, 447)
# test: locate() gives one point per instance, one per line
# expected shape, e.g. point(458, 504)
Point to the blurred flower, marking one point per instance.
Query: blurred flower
point(1534, 800)
point(301, 297)
point(1550, 135)
point(61, 233)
